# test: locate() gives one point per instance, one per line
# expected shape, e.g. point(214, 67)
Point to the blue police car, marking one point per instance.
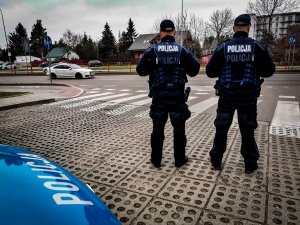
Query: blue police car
point(36, 191)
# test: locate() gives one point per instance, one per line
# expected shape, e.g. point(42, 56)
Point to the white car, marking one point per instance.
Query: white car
point(8, 65)
point(68, 70)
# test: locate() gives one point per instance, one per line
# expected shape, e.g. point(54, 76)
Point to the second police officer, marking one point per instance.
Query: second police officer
point(167, 64)
point(238, 63)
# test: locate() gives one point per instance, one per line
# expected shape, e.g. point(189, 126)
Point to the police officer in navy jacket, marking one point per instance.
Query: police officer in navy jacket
point(167, 64)
point(239, 64)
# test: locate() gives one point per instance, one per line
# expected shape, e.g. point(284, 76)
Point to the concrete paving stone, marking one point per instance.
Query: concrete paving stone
point(99, 153)
point(286, 147)
point(236, 158)
point(128, 158)
point(198, 169)
point(142, 144)
point(79, 165)
point(109, 174)
point(283, 210)
point(213, 218)
point(167, 163)
point(237, 202)
point(201, 150)
point(187, 191)
point(59, 158)
point(263, 147)
point(160, 211)
point(284, 166)
point(98, 188)
point(284, 185)
point(126, 205)
point(234, 176)
point(144, 182)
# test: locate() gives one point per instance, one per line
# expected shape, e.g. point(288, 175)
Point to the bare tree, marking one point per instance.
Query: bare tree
point(270, 9)
point(191, 23)
point(220, 23)
point(70, 39)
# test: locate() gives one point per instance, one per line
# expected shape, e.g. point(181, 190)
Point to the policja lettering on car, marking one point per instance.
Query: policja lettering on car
point(39, 164)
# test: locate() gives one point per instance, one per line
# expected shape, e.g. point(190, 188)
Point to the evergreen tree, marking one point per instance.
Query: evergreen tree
point(127, 37)
point(37, 39)
point(107, 44)
point(86, 49)
point(15, 40)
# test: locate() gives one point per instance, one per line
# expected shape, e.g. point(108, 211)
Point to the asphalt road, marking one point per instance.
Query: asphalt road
point(280, 87)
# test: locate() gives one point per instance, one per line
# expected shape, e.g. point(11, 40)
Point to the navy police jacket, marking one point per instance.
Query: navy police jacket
point(167, 64)
point(239, 63)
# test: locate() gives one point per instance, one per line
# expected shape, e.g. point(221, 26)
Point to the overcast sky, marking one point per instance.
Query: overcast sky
point(89, 16)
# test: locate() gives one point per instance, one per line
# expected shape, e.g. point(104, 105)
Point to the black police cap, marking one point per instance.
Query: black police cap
point(242, 20)
point(167, 26)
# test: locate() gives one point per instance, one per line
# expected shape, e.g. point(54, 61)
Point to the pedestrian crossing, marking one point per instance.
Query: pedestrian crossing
point(286, 119)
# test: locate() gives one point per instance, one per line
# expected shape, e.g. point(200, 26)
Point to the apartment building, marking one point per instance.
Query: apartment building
point(279, 25)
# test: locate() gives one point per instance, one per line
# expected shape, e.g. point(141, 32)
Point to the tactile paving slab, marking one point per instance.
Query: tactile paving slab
point(145, 182)
point(285, 185)
point(284, 147)
point(234, 175)
point(199, 170)
point(213, 218)
point(187, 191)
point(128, 158)
point(125, 204)
point(78, 165)
point(160, 211)
point(284, 166)
point(99, 189)
point(167, 165)
point(283, 210)
point(238, 202)
point(108, 173)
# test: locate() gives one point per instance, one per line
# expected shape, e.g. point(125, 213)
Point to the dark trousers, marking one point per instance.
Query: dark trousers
point(247, 112)
point(178, 115)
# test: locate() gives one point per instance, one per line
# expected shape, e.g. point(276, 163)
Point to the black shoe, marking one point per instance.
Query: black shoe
point(180, 164)
point(216, 164)
point(251, 169)
point(155, 164)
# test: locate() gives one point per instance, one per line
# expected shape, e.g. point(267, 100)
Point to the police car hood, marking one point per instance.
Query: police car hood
point(35, 191)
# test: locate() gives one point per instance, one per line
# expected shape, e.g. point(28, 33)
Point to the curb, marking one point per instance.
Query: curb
point(38, 102)
point(19, 105)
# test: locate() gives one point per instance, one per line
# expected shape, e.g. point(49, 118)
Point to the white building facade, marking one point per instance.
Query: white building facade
point(279, 25)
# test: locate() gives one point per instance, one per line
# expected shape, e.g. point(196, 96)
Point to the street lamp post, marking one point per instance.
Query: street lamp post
point(5, 37)
point(181, 25)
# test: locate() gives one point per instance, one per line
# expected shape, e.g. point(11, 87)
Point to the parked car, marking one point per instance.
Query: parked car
point(93, 63)
point(8, 65)
point(68, 70)
point(35, 191)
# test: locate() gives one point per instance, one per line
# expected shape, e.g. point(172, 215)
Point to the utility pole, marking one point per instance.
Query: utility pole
point(8, 52)
point(181, 25)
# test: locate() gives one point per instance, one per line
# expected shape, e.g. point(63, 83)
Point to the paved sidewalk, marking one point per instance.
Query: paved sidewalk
point(111, 153)
point(37, 94)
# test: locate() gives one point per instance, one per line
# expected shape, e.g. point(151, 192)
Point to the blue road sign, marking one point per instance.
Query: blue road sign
point(292, 40)
point(47, 42)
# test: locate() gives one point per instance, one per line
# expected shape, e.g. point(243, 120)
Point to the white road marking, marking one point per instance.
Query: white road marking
point(283, 96)
point(203, 105)
point(143, 91)
point(129, 98)
point(201, 93)
point(125, 90)
point(79, 98)
point(286, 119)
point(92, 100)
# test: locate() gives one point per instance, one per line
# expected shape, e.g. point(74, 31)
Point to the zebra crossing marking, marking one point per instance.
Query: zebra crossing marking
point(87, 102)
point(203, 105)
point(283, 96)
point(78, 98)
point(286, 119)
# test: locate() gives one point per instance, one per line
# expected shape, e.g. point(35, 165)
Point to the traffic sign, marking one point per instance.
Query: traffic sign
point(292, 40)
point(47, 42)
